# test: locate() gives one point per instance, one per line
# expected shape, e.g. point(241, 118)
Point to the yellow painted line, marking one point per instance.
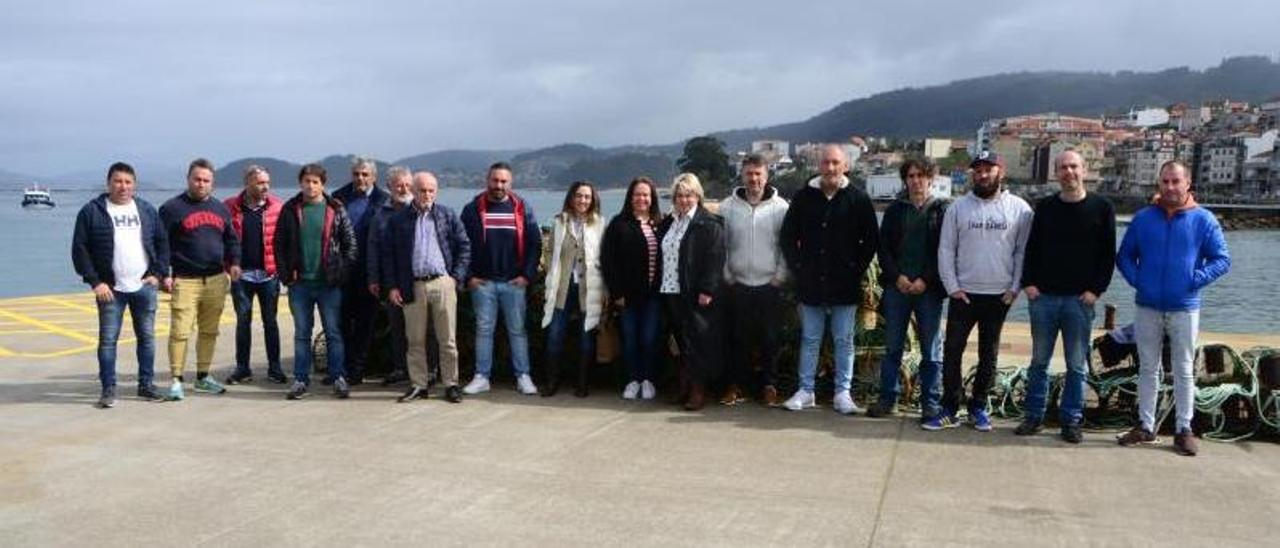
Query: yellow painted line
point(70, 305)
point(4, 332)
point(5, 352)
point(49, 327)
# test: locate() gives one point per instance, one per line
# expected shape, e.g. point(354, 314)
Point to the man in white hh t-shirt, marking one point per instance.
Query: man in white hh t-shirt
point(120, 250)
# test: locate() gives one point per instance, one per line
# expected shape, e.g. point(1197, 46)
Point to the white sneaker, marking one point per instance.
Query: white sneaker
point(476, 386)
point(800, 400)
point(524, 383)
point(647, 390)
point(843, 403)
point(631, 390)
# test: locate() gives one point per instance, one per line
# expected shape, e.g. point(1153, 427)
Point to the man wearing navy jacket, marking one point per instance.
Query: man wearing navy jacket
point(426, 258)
point(122, 252)
point(506, 244)
point(361, 198)
point(1172, 249)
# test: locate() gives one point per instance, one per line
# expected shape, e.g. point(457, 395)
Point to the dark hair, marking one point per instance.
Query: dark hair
point(754, 160)
point(199, 163)
point(655, 211)
point(925, 165)
point(1185, 170)
point(594, 209)
point(314, 169)
point(499, 165)
point(121, 167)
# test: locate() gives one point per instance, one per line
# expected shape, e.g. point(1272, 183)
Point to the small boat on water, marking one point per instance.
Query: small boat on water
point(34, 197)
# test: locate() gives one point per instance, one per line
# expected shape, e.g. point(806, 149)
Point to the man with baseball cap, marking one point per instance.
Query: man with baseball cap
point(980, 256)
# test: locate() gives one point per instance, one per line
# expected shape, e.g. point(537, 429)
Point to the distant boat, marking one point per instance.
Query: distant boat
point(35, 197)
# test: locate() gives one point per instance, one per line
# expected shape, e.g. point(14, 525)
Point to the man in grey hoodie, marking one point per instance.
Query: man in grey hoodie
point(755, 271)
point(980, 256)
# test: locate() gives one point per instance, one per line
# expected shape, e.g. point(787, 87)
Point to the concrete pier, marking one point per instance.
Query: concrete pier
point(249, 468)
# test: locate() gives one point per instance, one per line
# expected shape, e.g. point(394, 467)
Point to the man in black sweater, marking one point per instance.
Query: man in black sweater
point(1070, 256)
point(205, 256)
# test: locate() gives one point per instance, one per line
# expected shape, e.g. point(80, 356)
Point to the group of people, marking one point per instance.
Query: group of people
point(694, 271)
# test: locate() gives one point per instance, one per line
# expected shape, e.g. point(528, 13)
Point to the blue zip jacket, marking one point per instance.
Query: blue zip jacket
point(94, 241)
point(1168, 259)
point(397, 247)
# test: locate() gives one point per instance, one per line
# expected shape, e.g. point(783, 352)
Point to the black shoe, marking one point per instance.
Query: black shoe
point(881, 411)
point(581, 391)
point(1029, 427)
point(395, 377)
point(549, 389)
point(355, 380)
point(1071, 433)
point(453, 394)
point(240, 377)
point(327, 381)
point(277, 377)
point(298, 391)
point(149, 392)
point(413, 393)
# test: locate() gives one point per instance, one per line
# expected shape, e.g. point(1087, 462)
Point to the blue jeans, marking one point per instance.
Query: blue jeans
point(486, 301)
point(142, 310)
point(268, 294)
point(558, 328)
point(897, 309)
point(639, 326)
point(813, 323)
point(304, 299)
point(1051, 314)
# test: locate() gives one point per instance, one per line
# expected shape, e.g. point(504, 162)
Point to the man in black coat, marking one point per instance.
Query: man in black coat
point(829, 237)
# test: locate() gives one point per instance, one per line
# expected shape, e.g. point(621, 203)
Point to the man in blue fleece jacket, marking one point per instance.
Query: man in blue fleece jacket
point(1172, 250)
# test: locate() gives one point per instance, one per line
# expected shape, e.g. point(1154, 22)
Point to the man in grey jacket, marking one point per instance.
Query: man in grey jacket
point(755, 270)
point(980, 254)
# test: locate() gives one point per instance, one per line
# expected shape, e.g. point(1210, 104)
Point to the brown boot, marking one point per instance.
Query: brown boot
point(769, 396)
point(1185, 444)
point(682, 394)
point(697, 398)
point(732, 396)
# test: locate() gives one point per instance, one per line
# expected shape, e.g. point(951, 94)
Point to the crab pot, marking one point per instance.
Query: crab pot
point(1240, 414)
point(1269, 371)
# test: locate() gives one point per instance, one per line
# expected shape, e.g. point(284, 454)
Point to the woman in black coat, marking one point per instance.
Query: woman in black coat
point(693, 258)
point(629, 262)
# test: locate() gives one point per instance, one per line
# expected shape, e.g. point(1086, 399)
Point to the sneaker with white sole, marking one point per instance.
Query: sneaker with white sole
point(940, 422)
point(524, 383)
point(843, 403)
point(477, 385)
point(800, 400)
point(175, 391)
point(631, 391)
point(108, 398)
point(209, 386)
point(648, 391)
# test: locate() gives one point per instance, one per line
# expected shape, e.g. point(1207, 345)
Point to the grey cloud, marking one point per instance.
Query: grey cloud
point(158, 82)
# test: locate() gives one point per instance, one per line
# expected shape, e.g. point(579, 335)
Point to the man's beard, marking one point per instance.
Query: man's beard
point(985, 192)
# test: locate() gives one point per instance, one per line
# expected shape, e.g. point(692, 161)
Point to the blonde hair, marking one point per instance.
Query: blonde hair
point(686, 182)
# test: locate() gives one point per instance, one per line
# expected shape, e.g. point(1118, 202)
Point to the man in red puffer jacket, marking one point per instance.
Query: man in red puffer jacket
point(254, 212)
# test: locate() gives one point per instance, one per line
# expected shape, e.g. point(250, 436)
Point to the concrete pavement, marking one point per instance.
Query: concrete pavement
point(249, 468)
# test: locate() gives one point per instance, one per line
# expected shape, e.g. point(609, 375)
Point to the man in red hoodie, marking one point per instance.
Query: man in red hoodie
point(254, 212)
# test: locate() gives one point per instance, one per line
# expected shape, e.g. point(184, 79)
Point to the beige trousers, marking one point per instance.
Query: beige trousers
point(197, 303)
point(436, 302)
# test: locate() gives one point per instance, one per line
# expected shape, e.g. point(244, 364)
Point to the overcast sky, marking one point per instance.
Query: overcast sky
point(84, 83)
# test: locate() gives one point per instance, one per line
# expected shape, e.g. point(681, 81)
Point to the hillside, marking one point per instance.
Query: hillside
point(958, 108)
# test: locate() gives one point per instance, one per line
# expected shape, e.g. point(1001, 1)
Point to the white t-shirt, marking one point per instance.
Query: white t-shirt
point(129, 262)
